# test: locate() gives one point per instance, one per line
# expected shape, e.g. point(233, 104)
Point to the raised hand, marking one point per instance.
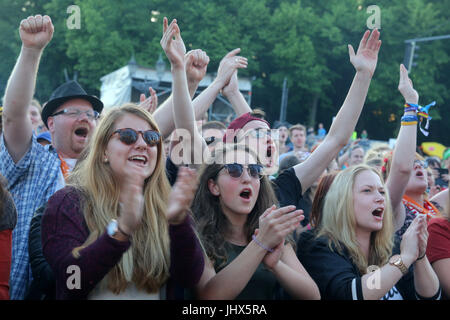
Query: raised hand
point(405, 86)
point(173, 44)
point(228, 65)
point(151, 103)
point(196, 65)
point(36, 32)
point(365, 59)
point(275, 224)
point(181, 196)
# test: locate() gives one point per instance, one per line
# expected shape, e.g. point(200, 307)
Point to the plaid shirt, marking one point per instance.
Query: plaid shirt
point(31, 181)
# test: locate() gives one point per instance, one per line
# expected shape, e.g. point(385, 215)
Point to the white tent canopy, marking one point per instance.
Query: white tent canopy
point(127, 83)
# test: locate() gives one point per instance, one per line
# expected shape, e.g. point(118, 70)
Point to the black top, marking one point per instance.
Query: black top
point(43, 285)
point(288, 188)
point(337, 276)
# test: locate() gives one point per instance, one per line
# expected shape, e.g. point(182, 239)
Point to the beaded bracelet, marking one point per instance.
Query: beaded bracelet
point(261, 245)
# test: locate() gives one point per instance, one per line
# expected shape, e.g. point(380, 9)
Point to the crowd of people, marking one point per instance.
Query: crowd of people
point(151, 202)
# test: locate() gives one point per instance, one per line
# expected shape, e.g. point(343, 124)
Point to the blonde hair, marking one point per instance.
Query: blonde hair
point(147, 262)
point(36, 103)
point(338, 222)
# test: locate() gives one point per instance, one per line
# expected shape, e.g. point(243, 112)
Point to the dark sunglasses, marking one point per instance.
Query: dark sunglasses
point(210, 140)
point(235, 170)
point(129, 136)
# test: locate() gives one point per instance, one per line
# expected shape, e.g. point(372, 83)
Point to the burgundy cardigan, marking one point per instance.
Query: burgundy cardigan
point(64, 228)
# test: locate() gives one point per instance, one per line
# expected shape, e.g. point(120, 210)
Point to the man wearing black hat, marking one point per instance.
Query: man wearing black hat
point(35, 172)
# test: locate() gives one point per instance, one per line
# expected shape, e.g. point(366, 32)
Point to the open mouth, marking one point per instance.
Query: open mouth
point(142, 160)
point(246, 193)
point(81, 132)
point(419, 174)
point(378, 212)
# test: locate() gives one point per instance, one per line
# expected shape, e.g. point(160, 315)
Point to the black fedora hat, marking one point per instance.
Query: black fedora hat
point(68, 91)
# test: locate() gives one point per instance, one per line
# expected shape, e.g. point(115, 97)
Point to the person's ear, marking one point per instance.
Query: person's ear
point(213, 187)
point(51, 124)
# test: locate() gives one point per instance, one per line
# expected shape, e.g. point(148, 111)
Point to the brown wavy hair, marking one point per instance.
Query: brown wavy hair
point(212, 224)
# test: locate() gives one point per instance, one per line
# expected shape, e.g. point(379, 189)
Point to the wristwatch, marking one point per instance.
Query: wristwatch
point(113, 228)
point(398, 262)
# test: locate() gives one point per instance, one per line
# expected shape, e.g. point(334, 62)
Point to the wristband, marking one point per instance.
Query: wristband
point(421, 257)
point(411, 107)
point(261, 245)
point(409, 123)
point(409, 120)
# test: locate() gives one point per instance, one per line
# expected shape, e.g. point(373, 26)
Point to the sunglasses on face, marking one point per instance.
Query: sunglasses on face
point(75, 113)
point(235, 170)
point(262, 133)
point(210, 140)
point(129, 136)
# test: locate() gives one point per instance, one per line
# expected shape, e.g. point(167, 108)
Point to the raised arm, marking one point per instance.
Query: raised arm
point(35, 33)
point(226, 78)
point(365, 62)
point(196, 64)
point(183, 114)
point(404, 151)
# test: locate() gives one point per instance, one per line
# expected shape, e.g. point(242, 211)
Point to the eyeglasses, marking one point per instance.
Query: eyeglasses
point(75, 113)
point(262, 133)
point(129, 136)
point(235, 170)
point(423, 164)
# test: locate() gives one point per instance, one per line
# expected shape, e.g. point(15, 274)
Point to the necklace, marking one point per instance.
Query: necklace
point(428, 208)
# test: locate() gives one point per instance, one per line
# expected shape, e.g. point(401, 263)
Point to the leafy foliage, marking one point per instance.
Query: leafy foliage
point(302, 40)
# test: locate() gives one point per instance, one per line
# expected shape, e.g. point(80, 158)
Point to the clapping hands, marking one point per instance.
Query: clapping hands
point(415, 239)
point(181, 196)
point(228, 67)
point(151, 103)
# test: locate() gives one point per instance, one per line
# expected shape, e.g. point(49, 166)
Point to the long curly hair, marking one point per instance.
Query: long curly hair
point(212, 224)
point(147, 263)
